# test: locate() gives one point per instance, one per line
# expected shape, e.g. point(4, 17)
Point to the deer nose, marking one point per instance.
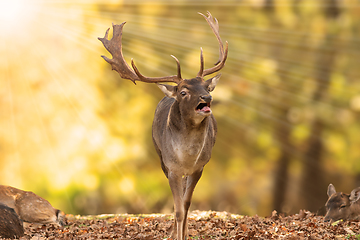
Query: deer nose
point(327, 218)
point(206, 98)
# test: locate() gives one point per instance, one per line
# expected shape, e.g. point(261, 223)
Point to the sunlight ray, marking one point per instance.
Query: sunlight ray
point(305, 77)
point(178, 23)
point(258, 127)
point(287, 74)
point(55, 76)
point(167, 22)
point(11, 107)
point(155, 39)
point(45, 132)
point(54, 72)
point(229, 3)
point(301, 97)
point(13, 156)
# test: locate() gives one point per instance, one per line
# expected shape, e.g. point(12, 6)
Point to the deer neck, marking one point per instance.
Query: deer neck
point(188, 140)
point(179, 121)
point(355, 211)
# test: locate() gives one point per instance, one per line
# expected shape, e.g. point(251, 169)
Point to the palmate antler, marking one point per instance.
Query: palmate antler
point(118, 63)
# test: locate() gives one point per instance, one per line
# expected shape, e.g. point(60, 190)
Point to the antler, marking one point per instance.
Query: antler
point(118, 63)
point(213, 22)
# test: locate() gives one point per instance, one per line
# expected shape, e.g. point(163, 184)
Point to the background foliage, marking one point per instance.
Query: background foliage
point(287, 104)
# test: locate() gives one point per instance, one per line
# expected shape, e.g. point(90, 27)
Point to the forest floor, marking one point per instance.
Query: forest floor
point(202, 225)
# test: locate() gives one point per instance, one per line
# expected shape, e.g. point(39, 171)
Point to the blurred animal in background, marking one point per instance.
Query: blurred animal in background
point(11, 226)
point(341, 205)
point(30, 207)
point(184, 129)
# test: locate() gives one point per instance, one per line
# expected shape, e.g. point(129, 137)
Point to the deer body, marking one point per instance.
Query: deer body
point(183, 139)
point(341, 205)
point(183, 144)
point(184, 151)
point(184, 129)
point(30, 207)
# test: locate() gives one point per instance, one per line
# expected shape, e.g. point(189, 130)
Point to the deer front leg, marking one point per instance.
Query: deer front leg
point(191, 182)
point(175, 182)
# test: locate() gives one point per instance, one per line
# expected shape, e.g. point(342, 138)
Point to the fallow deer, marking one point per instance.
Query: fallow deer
point(341, 205)
point(184, 128)
point(30, 207)
point(11, 225)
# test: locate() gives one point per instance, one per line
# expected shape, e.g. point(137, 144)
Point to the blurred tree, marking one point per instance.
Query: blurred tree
point(282, 127)
point(313, 183)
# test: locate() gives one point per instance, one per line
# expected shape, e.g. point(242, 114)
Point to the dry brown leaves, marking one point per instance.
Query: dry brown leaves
point(202, 225)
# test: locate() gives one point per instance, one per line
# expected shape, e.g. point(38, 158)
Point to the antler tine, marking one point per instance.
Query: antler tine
point(178, 67)
point(201, 71)
point(214, 24)
point(142, 78)
point(118, 63)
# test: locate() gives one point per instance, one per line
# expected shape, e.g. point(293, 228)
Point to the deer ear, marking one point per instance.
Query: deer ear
point(211, 83)
point(355, 195)
point(169, 90)
point(331, 190)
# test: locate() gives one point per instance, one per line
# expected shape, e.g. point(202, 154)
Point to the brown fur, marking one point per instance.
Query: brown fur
point(183, 139)
point(30, 207)
point(341, 205)
point(11, 225)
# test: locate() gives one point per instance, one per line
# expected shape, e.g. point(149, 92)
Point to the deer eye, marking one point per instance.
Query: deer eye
point(183, 93)
point(342, 206)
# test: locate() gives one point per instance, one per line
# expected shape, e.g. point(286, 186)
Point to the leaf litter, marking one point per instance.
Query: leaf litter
point(202, 225)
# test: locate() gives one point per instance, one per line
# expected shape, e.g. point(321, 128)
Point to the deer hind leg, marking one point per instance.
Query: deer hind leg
point(177, 189)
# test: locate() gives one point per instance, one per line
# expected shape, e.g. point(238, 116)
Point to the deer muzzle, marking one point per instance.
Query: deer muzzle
point(204, 105)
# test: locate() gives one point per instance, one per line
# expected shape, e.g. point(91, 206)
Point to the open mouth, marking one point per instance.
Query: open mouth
point(203, 107)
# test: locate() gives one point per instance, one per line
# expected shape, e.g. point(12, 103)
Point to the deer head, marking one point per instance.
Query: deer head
point(193, 97)
point(341, 205)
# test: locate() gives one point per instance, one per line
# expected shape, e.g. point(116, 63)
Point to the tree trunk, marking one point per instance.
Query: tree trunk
point(313, 186)
point(281, 175)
